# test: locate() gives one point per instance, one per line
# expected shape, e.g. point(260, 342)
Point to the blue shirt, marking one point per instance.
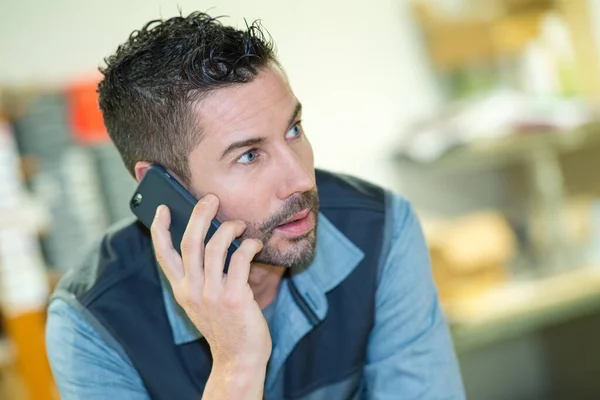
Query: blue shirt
point(409, 356)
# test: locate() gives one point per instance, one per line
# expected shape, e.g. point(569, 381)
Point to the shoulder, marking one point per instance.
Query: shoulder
point(349, 193)
point(74, 338)
point(402, 214)
point(379, 221)
point(85, 359)
point(346, 191)
point(69, 326)
point(119, 252)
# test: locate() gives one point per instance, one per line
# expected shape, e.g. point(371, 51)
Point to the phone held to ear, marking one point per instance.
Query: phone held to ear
point(159, 187)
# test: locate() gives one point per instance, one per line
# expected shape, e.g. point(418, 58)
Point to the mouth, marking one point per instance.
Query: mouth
point(299, 224)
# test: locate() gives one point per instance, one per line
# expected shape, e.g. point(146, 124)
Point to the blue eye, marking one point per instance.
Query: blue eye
point(294, 131)
point(247, 158)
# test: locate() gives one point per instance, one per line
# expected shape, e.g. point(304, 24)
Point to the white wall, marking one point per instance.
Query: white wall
point(356, 65)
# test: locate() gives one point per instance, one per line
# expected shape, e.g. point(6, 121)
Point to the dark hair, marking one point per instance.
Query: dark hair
point(154, 77)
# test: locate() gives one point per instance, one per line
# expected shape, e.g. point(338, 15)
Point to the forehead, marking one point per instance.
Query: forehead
point(264, 102)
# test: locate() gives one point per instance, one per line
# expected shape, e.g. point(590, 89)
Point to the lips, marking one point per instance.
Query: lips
point(299, 224)
point(296, 217)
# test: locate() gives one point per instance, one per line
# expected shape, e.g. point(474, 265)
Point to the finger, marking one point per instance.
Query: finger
point(216, 250)
point(239, 268)
point(167, 257)
point(192, 243)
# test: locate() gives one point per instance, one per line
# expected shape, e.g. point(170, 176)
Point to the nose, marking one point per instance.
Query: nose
point(294, 175)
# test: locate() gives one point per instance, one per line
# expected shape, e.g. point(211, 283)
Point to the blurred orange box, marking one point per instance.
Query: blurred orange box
point(85, 117)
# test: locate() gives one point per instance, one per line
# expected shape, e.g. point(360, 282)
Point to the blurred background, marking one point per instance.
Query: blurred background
point(484, 113)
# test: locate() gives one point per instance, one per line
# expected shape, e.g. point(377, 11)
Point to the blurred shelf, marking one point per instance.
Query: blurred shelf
point(29, 214)
point(546, 190)
point(508, 149)
point(519, 308)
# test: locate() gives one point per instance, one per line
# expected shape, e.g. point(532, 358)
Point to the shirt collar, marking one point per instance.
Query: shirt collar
point(335, 257)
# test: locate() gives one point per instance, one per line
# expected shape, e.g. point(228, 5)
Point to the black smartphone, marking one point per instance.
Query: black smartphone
point(158, 187)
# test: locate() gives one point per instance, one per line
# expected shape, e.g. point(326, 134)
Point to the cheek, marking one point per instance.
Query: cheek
point(306, 156)
point(244, 203)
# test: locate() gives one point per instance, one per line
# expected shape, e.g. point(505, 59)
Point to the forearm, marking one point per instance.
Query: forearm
point(244, 382)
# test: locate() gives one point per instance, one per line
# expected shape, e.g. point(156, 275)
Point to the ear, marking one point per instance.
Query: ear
point(140, 169)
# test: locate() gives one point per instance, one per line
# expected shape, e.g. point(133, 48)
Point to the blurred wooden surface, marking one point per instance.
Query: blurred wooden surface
point(517, 308)
point(11, 384)
point(26, 333)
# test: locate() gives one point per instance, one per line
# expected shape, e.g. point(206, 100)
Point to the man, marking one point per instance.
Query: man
point(330, 295)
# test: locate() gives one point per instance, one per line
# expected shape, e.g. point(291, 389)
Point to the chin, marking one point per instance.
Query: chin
point(289, 252)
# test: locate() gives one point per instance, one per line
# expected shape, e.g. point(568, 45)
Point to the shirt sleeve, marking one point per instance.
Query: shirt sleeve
point(83, 364)
point(410, 353)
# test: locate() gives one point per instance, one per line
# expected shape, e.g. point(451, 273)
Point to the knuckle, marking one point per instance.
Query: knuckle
point(199, 209)
point(191, 294)
point(228, 226)
point(161, 260)
point(211, 250)
point(180, 297)
point(240, 256)
point(187, 244)
point(249, 247)
point(232, 300)
point(210, 296)
point(154, 229)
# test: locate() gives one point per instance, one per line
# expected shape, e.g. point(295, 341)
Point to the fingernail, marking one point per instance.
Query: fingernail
point(209, 199)
point(159, 211)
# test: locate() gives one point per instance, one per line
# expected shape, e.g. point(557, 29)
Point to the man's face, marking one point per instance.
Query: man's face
point(255, 158)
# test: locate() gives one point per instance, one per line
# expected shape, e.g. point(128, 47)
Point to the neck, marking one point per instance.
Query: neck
point(264, 281)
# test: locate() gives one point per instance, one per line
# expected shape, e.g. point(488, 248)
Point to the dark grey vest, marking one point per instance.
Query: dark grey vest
point(125, 296)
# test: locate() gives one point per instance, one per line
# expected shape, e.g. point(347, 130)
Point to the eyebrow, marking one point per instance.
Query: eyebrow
point(297, 110)
point(256, 141)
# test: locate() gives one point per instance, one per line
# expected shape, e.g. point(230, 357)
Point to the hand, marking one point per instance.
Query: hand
point(221, 306)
